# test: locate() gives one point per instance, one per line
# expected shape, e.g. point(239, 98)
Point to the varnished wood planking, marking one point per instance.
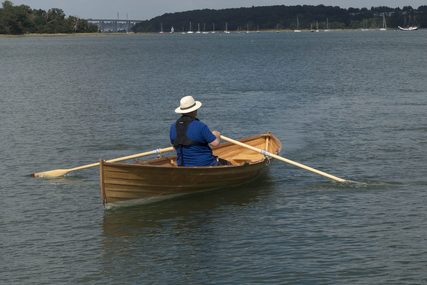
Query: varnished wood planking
point(158, 177)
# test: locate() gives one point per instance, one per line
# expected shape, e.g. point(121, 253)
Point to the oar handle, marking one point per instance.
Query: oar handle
point(278, 157)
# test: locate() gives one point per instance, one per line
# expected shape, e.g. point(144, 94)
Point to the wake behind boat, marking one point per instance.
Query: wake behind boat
point(153, 180)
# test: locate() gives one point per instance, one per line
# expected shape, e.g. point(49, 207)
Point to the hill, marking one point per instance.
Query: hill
point(285, 17)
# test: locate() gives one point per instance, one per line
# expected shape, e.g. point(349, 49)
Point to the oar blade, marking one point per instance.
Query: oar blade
point(51, 173)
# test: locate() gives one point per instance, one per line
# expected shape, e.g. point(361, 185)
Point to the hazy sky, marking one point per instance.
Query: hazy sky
point(147, 9)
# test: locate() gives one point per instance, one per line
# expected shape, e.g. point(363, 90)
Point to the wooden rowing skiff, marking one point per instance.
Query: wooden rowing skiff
point(157, 179)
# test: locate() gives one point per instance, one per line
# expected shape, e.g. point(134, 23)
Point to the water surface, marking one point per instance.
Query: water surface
point(349, 103)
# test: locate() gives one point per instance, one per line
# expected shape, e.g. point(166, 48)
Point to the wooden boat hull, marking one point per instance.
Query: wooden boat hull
point(153, 180)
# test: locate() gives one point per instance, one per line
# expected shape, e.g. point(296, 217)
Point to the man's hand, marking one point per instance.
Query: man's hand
point(217, 140)
point(217, 134)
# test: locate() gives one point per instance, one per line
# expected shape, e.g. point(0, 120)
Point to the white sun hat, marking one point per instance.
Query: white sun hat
point(188, 105)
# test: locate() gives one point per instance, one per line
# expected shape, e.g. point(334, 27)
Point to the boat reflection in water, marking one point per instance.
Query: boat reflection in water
point(184, 212)
point(186, 234)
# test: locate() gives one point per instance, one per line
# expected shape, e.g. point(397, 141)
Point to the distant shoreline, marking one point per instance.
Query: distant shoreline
point(36, 35)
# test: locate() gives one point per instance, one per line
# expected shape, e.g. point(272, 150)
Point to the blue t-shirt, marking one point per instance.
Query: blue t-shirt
point(195, 155)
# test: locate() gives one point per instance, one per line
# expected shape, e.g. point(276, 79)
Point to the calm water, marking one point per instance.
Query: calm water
point(353, 104)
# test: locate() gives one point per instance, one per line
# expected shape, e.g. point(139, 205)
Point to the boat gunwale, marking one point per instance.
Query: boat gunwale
point(227, 144)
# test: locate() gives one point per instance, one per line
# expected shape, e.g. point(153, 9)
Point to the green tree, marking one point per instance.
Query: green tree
point(22, 19)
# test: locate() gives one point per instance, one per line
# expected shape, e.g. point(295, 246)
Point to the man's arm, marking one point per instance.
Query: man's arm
point(217, 140)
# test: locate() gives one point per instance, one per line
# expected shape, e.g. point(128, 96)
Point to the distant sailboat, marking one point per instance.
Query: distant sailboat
point(190, 31)
point(204, 29)
point(161, 28)
point(317, 26)
point(327, 25)
point(172, 30)
point(213, 28)
point(198, 28)
point(365, 26)
point(408, 27)
point(247, 28)
point(226, 28)
point(384, 28)
point(297, 30)
point(411, 28)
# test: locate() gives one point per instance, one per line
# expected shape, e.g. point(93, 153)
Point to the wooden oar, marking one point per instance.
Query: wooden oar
point(60, 172)
point(278, 157)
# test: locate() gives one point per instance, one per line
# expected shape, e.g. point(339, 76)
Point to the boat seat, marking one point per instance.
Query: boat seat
point(163, 161)
point(245, 158)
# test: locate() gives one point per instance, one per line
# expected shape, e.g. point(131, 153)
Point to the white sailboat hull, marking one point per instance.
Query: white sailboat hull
point(412, 28)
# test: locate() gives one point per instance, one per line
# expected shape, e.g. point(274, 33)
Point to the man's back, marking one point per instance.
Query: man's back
point(199, 153)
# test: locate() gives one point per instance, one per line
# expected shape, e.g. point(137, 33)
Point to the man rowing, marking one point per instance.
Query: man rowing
point(192, 139)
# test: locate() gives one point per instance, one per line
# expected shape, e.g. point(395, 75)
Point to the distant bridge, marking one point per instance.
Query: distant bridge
point(114, 25)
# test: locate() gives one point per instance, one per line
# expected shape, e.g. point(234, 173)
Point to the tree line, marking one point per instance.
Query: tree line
point(285, 17)
point(17, 20)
